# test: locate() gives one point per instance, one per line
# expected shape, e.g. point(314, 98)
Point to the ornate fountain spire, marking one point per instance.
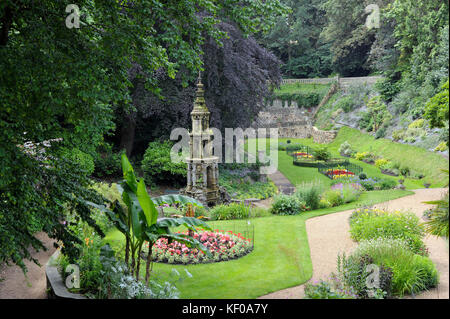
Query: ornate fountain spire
point(200, 104)
point(202, 165)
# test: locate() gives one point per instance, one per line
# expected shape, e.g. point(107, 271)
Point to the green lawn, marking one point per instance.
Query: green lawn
point(280, 259)
point(416, 158)
point(293, 88)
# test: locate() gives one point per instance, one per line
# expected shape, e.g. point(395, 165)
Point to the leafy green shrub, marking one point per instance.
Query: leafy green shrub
point(345, 149)
point(381, 132)
point(346, 103)
point(239, 188)
point(107, 162)
point(354, 271)
point(438, 220)
point(368, 224)
point(412, 273)
point(384, 184)
point(362, 176)
point(417, 124)
point(232, 211)
point(334, 197)
point(387, 88)
point(327, 290)
point(83, 160)
point(322, 154)
point(380, 162)
point(158, 167)
point(310, 193)
point(287, 205)
point(404, 170)
point(398, 135)
point(442, 147)
point(88, 260)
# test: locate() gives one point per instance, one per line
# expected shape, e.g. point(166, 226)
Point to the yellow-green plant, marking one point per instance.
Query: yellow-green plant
point(361, 155)
point(381, 162)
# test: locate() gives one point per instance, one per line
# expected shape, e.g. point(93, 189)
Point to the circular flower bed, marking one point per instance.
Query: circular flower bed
point(222, 245)
point(302, 155)
point(338, 173)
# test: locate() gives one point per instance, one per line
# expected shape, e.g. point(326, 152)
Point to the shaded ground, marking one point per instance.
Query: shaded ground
point(329, 235)
point(16, 286)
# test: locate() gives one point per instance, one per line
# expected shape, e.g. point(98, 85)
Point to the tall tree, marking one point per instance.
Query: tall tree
point(350, 38)
point(296, 41)
point(61, 82)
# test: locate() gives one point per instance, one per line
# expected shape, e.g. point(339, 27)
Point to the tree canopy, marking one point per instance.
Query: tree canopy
point(60, 82)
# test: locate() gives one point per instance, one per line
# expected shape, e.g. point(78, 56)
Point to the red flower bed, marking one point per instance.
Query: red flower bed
point(339, 172)
point(221, 245)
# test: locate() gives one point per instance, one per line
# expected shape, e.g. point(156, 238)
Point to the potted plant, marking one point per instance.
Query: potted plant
point(426, 184)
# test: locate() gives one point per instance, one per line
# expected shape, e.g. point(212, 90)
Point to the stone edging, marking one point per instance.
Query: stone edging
point(56, 288)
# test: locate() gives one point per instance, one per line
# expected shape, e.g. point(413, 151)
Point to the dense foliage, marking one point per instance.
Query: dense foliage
point(61, 82)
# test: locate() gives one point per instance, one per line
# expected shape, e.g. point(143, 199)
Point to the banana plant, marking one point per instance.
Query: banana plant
point(139, 222)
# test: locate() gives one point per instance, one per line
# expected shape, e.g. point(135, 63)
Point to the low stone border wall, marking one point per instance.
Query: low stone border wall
point(56, 289)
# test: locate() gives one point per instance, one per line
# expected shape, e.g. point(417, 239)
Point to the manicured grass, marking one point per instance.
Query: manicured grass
point(416, 158)
point(293, 88)
point(281, 257)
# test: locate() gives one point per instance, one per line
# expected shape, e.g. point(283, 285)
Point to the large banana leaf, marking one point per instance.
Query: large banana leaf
point(128, 173)
point(189, 222)
point(146, 203)
point(175, 199)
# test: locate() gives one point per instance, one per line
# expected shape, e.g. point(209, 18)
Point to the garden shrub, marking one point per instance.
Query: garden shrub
point(322, 154)
point(442, 147)
point(398, 135)
point(381, 132)
point(287, 205)
point(345, 149)
point(107, 162)
point(387, 88)
point(412, 273)
point(373, 223)
point(353, 271)
point(240, 188)
point(232, 211)
point(328, 290)
point(310, 193)
point(384, 184)
point(116, 282)
point(417, 124)
point(405, 170)
point(359, 156)
point(158, 167)
point(334, 197)
point(88, 261)
point(381, 162)
point(81, 159)
point(362, 176)
point(346, 103)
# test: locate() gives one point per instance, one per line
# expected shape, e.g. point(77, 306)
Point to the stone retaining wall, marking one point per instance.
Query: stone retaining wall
point(307, 131)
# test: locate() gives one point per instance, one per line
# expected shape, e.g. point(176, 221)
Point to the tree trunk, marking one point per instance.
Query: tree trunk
point(138, 266)
point(6, 20)
point(127, 132)
point(127, 251)
point(149, 261)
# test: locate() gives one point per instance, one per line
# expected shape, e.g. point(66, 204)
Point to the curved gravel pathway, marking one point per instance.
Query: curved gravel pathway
point(329, 235)
point(16, 286)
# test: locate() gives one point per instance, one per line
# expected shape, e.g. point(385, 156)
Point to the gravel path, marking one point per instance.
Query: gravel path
point(16, 286)
point(329, 235)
